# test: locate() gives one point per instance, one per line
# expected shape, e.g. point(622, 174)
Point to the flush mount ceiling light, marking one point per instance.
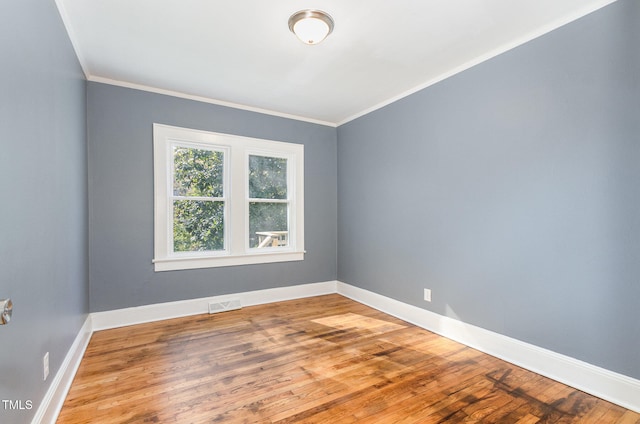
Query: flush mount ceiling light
point(311, 26)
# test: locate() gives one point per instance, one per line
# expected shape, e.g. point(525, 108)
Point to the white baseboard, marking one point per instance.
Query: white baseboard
point(53, 400)
point(608, 385)
point(159, 311)
point(51, 405)
point(605, 384)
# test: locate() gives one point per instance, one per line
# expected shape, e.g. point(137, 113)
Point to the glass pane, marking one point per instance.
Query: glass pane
point(197, 172)
point(268, 225)
point(198, 225)
point(267, 177)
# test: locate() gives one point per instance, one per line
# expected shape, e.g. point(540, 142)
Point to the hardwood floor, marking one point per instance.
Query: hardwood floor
point(325, 359)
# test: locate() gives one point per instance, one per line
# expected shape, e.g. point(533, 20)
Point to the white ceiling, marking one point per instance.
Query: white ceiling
point(241, 53)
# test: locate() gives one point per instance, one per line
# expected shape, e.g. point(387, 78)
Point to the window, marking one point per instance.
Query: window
point(224, 200)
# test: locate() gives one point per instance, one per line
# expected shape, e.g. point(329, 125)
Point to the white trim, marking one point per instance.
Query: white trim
point(605, 384)
point(209, 100)
point(236, 151)
point(194, 262)
point(482, 58)
point(161, 311)
point(469, 64)
point(72, 37)
point(608, 385)
point(47, 412)
point(49, 409)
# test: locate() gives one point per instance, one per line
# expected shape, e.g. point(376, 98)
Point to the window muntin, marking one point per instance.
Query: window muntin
point(223, 200)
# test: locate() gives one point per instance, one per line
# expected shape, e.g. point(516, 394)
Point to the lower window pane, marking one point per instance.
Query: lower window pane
point(268, 225)
point(198, 225)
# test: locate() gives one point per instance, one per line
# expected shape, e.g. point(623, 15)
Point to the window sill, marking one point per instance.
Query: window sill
point(174, 264)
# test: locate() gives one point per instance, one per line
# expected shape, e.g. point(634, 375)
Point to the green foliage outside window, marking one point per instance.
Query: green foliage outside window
point(267, 177)
point(198, 224)
point(198, 216)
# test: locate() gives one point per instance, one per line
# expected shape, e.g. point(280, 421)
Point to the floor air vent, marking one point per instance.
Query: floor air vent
point(225, 305)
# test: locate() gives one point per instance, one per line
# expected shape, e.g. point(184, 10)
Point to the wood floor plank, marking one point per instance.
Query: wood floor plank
point(325, 359)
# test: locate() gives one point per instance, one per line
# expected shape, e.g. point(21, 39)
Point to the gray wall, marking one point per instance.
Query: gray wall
point(512, 190)
point(43, 218)
point(121, 199)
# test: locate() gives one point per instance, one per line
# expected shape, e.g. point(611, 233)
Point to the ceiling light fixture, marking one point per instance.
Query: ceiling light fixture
point(311, 26)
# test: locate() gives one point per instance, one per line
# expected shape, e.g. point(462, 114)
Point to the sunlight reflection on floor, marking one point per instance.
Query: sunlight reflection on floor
point(351, 320)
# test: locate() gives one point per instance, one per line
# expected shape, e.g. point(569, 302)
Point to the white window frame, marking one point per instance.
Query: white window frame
point(237, 150)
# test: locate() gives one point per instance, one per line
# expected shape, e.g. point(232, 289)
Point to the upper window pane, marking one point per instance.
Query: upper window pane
point(267, 177)
point(197, 172)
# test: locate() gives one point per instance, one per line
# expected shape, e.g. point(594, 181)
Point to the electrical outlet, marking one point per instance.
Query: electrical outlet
point(427, 295)
point(45, 366)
